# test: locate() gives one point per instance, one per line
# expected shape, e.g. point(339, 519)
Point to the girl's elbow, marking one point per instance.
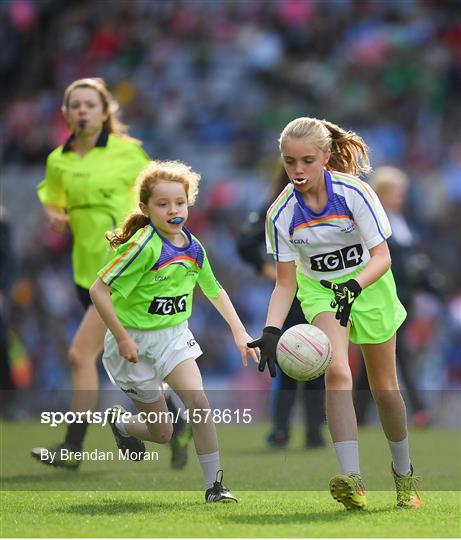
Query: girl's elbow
point(287, 289)
point(388, 262)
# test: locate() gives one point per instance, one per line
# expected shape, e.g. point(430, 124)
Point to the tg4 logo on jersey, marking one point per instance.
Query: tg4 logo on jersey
point(168, 305)
point(340, 259)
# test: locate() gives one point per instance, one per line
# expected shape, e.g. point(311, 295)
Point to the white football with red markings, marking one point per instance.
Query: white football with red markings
point(304, 352)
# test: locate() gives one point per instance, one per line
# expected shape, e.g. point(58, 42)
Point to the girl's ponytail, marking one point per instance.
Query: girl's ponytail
point(133, 223)
point(349, 152)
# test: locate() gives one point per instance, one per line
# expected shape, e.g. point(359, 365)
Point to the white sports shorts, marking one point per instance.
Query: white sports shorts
point(160, 351)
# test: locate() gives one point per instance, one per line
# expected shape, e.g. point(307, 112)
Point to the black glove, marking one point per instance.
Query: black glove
point(267, 344)
point(345, 295)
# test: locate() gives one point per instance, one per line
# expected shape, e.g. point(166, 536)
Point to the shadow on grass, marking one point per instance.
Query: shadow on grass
point(111, 507)
point(340, 515)
point(51, 477)
point(279, 452)
point(54, 480)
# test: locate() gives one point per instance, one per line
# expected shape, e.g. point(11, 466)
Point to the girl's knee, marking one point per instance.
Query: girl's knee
point(80, 359)
point(75, 358)
point(384, 382)
point(196, 399)
point(386, 398)
point(339, 376)
point(161, 434)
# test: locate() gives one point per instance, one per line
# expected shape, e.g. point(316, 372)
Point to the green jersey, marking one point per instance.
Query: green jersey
point(152, 281)
point(97, 191)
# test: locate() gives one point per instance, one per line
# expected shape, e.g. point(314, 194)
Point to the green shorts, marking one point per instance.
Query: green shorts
point(376, 314)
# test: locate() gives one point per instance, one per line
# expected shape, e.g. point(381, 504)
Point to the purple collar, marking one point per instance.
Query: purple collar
point(299, 197)
point(175, 248)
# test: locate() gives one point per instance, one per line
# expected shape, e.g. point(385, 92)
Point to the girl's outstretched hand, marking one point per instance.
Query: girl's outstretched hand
point(267, 345)
point(241, 340)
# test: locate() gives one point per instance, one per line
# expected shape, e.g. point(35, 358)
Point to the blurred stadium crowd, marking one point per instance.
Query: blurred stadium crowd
point(213, 83)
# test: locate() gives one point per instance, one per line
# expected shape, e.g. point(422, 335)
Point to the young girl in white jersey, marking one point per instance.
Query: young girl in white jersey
point(327, 232)
point(144, 295)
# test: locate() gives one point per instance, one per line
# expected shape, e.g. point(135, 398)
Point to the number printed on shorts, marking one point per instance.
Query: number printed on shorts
point(338, 260)
point(168, 305)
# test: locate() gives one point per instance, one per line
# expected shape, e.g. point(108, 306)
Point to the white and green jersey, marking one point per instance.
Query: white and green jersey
point(152, 281)
point(333, 242)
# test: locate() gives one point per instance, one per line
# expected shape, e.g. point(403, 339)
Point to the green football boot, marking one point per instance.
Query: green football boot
point(349, 490)
point(407, 492)
point(61, 455)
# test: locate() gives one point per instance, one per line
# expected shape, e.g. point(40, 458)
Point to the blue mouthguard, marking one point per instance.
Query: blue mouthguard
point(176, 220)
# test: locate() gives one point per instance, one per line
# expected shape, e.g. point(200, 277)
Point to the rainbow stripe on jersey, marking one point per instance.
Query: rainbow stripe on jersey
point(352, 222)
point(152, 281)
point(116, 268)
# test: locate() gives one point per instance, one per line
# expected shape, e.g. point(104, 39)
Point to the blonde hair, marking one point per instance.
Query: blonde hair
point(349, 153)
point(110, 106)
point(386, 176)
point(152, 174)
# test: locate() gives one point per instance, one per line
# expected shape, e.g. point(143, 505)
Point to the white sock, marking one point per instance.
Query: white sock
point(400, 456)
point(121, 426)
point(210, 467)
point(348, 456)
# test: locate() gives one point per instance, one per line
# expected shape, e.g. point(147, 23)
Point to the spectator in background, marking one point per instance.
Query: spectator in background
point(6, 380)
point(251, 246)
point(412, 272)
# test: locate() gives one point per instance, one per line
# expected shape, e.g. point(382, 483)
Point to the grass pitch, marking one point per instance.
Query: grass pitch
point(43, 502)
point(184, 514)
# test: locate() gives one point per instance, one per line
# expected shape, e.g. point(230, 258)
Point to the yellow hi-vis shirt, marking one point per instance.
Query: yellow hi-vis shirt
point(97, 191)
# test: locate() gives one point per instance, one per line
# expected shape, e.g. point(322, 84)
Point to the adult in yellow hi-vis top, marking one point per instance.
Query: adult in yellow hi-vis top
point(90, 186)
